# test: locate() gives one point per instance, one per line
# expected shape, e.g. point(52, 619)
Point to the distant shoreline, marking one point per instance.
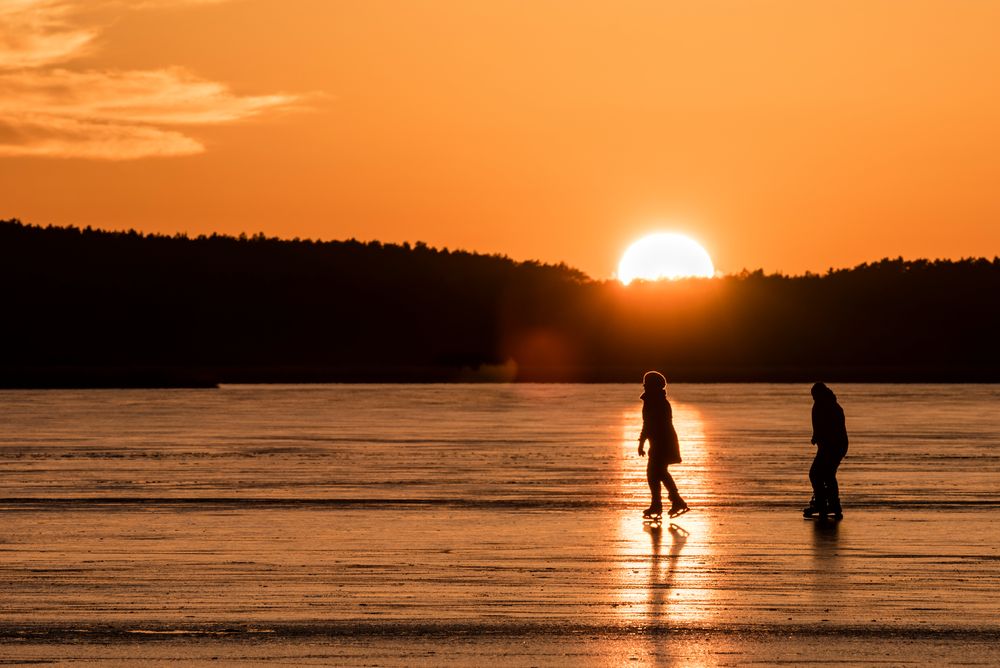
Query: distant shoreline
point(84, 308)
point(198, 378)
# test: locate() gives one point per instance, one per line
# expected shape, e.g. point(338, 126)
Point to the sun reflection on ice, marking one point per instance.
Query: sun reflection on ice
point(663, 574)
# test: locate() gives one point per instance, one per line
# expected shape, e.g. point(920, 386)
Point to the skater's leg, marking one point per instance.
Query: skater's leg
point(677, 504)
point(818, 479)
point(832, 488)
point(653, 479)
point(672, 493)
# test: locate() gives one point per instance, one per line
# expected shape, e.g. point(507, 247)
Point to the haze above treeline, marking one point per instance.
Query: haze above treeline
point(86, 308)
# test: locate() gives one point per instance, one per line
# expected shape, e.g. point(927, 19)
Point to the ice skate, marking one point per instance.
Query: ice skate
point(654, 512)
point(834, 509)
point(814, 509)
point(677, 508)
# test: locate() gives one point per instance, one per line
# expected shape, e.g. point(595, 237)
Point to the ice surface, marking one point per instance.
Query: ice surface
point(457, 524)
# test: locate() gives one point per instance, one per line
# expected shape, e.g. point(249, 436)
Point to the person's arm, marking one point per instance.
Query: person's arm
point(841, 426)
point(642, 441)
point(814, 416)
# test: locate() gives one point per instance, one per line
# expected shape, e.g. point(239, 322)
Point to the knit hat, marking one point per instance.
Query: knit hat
point(654, 379)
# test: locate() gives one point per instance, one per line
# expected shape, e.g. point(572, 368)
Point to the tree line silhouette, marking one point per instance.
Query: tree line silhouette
point(97, 308)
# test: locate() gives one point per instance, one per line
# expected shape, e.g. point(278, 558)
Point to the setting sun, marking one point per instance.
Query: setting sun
point(664, 255)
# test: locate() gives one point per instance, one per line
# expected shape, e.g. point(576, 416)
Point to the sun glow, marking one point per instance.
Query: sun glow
point(664, 255)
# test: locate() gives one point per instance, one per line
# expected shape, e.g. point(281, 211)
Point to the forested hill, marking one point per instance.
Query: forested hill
point(94, 308)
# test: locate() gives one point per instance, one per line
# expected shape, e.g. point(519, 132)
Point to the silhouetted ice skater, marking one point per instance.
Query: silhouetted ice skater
point(664, 449)
point(830, 438)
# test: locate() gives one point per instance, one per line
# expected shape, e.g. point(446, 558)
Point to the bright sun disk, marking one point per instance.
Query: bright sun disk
point(664, 255)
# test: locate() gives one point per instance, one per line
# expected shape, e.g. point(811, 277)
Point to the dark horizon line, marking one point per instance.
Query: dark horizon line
point(163, 377)
point(260, 237)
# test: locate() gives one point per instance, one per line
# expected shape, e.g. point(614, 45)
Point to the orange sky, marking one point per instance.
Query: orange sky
point(781, 134)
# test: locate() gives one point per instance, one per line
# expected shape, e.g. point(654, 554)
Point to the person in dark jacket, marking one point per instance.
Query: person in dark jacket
point(664, 449)
point(830, 439)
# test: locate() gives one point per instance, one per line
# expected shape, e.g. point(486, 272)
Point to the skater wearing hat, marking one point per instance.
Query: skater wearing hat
point(664, 449)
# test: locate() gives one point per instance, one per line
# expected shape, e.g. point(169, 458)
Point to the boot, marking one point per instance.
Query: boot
point(816, 508)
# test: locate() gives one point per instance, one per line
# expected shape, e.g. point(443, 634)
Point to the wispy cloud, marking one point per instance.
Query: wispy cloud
point(49, 109)
point(36, 33)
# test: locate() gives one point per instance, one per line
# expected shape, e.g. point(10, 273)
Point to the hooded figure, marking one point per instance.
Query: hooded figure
point(830, 438)
point(829, 426)
point(664, 449)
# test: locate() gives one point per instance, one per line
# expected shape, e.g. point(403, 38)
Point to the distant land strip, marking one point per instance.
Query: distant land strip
point(96, 309)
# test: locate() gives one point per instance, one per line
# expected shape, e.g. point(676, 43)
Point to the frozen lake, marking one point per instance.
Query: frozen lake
point(435, 524)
